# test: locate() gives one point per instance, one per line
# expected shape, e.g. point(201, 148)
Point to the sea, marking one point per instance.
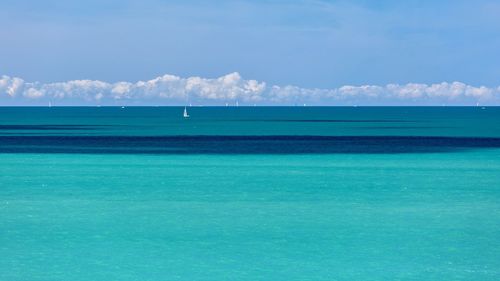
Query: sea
point(249, 193)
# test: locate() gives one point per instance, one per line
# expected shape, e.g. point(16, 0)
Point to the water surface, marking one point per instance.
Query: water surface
point(287, 193)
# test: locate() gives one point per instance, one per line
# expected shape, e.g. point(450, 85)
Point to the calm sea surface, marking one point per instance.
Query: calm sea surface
point(250, 193)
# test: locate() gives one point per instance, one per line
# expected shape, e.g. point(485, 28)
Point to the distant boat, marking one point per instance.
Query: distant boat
point(186, 115)
point(50, 104)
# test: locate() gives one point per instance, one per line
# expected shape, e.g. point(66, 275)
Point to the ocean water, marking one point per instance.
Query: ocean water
point(250, 193)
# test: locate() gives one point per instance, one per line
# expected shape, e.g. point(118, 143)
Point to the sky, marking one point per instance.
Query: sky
point(337, 52)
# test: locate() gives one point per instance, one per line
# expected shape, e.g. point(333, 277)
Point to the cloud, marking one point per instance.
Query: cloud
point(174, 90)
point(10, 85)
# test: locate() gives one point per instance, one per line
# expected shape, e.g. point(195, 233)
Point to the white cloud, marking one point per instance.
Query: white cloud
point(170, 89)
point(11, 86)
point(33, 93)
point(455, 93)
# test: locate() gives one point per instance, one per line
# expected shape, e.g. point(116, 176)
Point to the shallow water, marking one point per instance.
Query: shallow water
point(291, 194)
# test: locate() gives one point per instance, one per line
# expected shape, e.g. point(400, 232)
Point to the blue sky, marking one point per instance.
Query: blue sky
point(307, 44)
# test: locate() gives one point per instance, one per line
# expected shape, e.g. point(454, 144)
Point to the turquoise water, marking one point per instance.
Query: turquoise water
point(251, 194)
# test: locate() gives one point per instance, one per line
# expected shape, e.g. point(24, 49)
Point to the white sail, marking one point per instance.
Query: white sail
point(186, 115)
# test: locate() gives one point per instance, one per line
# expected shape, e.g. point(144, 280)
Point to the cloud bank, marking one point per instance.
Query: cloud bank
point(232, 88)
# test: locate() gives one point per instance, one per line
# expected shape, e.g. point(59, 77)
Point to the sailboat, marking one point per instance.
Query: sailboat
point(186, 115)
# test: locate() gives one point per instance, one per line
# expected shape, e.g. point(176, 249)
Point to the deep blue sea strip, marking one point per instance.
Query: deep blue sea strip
point(289, 144)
